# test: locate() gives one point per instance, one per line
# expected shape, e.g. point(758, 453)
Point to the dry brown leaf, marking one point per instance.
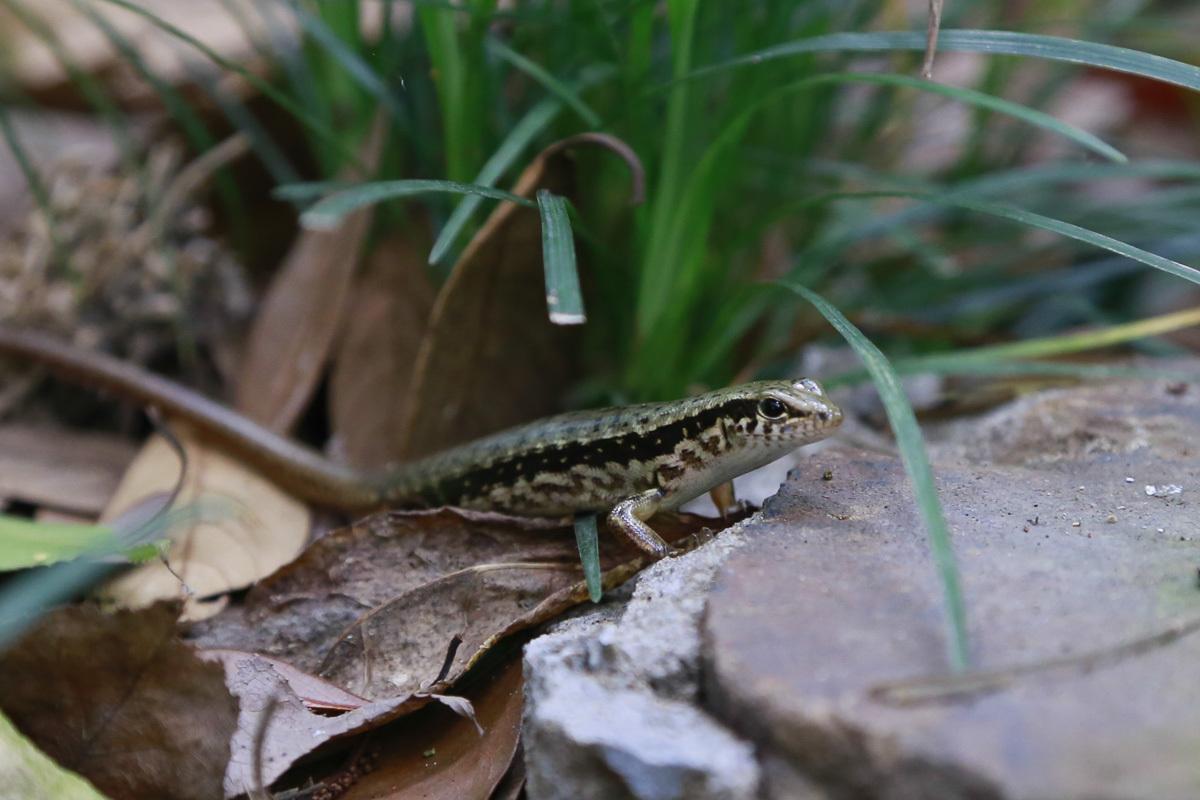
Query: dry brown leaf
point(252, 530)
point(492, 358)
point(371, 381)
point(118, 699)
point(276, 728)
point(440, 756)
point(401, 645)
point(424, 574)
point(302, 311)
point(316, 694)
point(315, 605)
point(64, 469)
point(512, 785)
point(297, 613)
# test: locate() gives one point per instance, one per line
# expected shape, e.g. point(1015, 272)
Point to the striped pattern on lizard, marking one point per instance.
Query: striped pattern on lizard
point(627, 462)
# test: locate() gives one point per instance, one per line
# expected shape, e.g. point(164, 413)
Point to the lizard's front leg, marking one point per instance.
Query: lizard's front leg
point(629, 517)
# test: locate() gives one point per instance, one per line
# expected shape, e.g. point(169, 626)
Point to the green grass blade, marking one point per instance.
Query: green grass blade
point(309, 190)
point(318, 128)
point(30, 773)
point(328, 213)
point(528, 128)
point(358, 70)
point(1073, 231)
point(1066, 343)
point(982, 100)
point(92, 90)
point(1054, 369)
point(1031, 219)
point(525, 131)
point(28, 594)
point(269, 153)
point(563, 296)
point(37, 188)
point(657, 284)
point(24, 543)
point(916, 464)
point(1054, 48)
point(587, 539)
point(458, 98)
point(552, 84)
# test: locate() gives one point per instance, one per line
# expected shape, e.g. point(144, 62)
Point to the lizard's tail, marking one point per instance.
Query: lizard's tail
point(295, 468)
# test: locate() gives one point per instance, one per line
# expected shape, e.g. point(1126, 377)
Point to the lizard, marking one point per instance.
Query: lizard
point(628, 462)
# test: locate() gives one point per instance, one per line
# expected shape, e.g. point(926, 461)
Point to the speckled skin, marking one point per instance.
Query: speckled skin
point(630, 461)
point(591, 460)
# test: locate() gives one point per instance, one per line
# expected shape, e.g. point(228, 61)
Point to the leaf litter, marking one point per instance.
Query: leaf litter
point(373, 608)
point(120, 700)
point(395, 630)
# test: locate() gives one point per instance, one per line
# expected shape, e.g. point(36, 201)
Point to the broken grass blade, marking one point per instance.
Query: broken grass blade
point(326, 214)
point(916, 464)
point(563, 296)
point(587, 539)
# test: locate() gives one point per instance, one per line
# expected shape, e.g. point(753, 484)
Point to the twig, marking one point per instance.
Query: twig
point(931, 37)
point(260, 792)
point(957, 687)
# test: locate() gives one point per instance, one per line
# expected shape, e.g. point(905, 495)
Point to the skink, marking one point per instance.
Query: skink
point(627, 462)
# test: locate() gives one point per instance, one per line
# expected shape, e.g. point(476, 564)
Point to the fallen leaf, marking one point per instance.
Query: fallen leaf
point(371, 380)
point(120, 700)
point(513, 783)
point(401, 645)
point(64, 469)
point(254, 529)
point(311, 611)
point(302, 311)
point(464, 765)
point(492, 358)
point(316, 694)
point(26, 772)
point(430, 576)
point(275, 727)
point(297, 613)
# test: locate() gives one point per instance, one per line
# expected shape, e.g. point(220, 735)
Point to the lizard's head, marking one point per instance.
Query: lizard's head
point(781, 415)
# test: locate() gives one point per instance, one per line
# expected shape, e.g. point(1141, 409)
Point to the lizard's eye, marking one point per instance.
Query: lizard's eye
point(771, 408)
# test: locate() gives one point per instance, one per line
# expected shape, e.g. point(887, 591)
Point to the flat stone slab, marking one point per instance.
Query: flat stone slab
point(1078, 540)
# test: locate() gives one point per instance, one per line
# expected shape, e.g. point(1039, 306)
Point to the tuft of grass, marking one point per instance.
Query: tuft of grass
point(755, 125)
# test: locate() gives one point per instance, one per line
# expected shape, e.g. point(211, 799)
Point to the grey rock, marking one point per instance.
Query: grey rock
point(587, 737)
point(833, 600)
